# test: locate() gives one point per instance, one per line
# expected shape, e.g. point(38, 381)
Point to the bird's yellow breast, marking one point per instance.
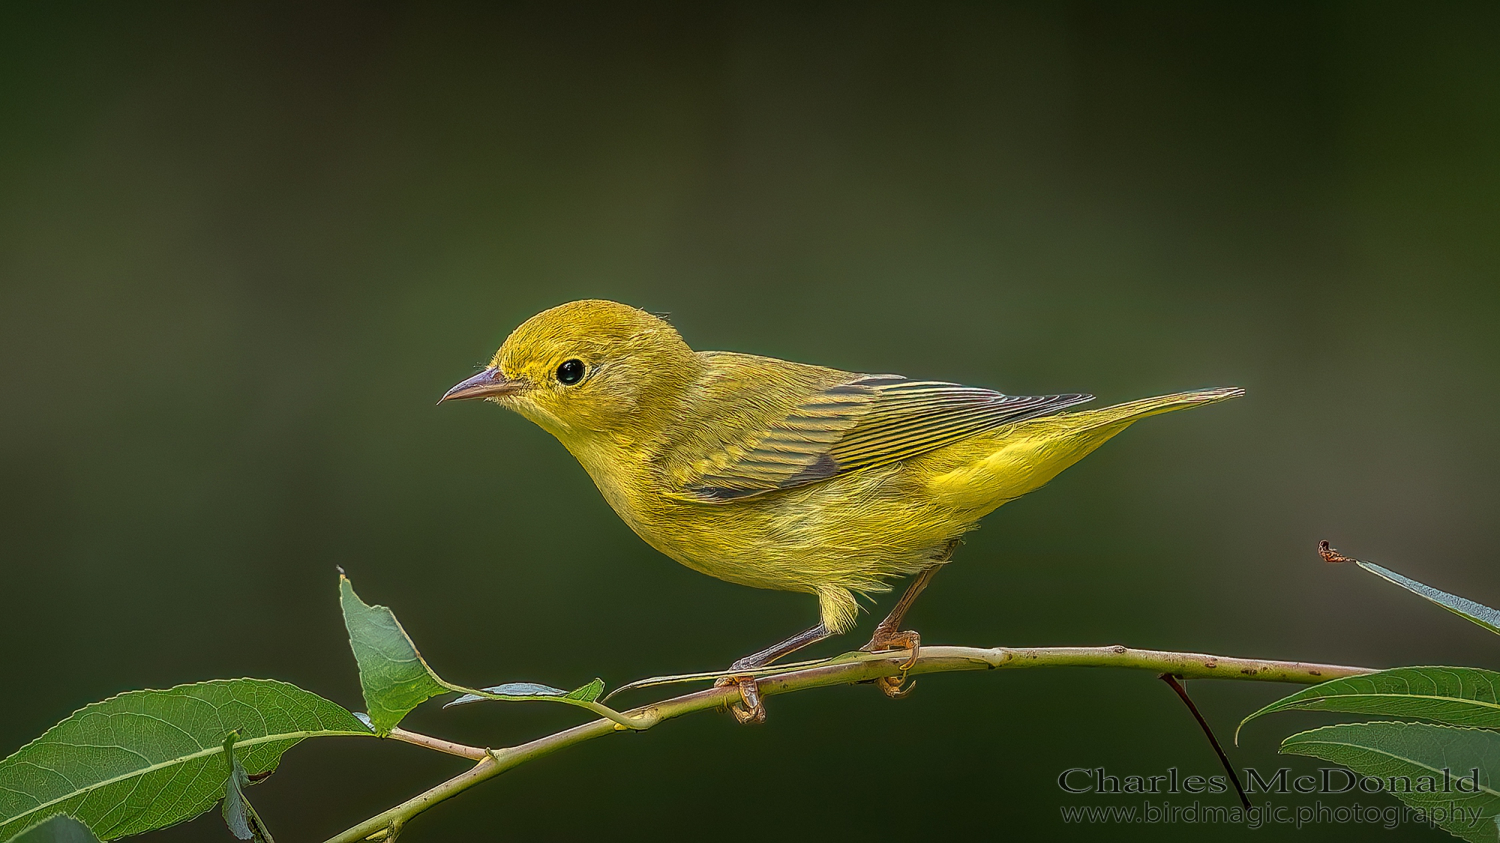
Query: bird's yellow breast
point(847, 534)
point(853, 531)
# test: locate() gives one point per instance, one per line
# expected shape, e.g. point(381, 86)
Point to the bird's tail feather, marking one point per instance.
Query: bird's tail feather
point(1139, 409)
point(1025, 456)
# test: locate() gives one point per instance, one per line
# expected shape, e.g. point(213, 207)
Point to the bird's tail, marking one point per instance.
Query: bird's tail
point(1132, 411)
point(1023, 457)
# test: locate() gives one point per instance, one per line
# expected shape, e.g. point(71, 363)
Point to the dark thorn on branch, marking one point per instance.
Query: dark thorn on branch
point(1223, 759)
point(259, 777)
point(1331, 556)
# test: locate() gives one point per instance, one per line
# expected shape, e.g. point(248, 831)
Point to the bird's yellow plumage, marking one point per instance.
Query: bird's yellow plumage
point(783, 475)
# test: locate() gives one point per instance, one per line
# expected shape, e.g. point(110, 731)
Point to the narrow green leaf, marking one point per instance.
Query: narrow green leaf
point(531, 691)
point(1426, 766)
point(1476, 612)
point(1462, 606)
point(1457, 696)
point(393, 675)
point(58, 830)
point(149, 759)
point(509, 691)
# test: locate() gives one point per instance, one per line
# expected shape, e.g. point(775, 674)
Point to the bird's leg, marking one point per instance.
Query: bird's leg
point(750, 709)
point(888, 633)
point(890, 636)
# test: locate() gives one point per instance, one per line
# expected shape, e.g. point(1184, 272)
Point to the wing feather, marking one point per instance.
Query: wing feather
point(870, 421)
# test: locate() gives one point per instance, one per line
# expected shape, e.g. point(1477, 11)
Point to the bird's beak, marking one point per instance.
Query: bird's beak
point(487, 384)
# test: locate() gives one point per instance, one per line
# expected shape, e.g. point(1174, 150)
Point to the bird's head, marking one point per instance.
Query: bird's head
point(588, 367)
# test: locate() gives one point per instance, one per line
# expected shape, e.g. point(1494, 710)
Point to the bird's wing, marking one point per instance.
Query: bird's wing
point(869, 421)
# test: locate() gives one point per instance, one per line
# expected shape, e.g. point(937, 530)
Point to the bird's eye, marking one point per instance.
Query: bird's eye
point(570, 372)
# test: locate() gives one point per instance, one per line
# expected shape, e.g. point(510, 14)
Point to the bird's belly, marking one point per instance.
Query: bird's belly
point(853, 532)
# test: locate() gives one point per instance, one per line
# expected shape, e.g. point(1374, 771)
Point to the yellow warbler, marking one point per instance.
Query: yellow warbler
point(783, 475)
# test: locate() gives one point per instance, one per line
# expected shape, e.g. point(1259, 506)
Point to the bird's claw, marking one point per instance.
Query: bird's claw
point(903, 640)
point(749, 709)
point(896, 687)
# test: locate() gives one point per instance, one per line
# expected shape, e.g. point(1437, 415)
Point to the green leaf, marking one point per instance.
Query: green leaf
point(244, 823)
point(396, 679)
point(149, 759)
point(589, 692)
point(510, 691)
point(1457, 696)
point(1427, 757)
point(233, 807)
point(1476, 612)
point(58, 830)
point(393, 675)
point(531, 691)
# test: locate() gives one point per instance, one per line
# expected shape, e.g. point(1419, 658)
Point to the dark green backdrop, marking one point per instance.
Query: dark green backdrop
point(244, 249)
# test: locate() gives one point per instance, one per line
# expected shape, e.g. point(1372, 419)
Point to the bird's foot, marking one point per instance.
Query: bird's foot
point(896, 686)
point(749, 709)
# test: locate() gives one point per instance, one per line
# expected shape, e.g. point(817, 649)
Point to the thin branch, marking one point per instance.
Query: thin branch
point(1213, 741)
point(473, 753)
point(848, 669)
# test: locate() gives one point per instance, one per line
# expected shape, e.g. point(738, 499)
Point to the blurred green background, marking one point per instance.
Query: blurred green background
point(244, 248)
